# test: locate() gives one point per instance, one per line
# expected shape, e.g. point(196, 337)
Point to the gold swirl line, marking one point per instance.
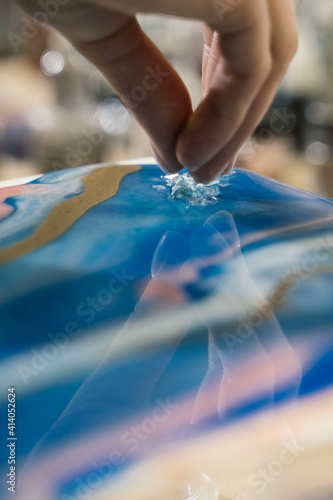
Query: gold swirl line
point(99, 185)
point(286, 284)
point(279, 294)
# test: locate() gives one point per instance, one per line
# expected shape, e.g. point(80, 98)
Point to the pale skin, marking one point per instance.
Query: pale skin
point(249, 45)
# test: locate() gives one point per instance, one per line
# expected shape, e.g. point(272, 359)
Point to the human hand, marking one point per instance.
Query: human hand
point(248, 47)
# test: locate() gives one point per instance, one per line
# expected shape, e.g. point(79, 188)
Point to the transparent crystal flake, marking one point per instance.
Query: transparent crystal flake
point(184, 187)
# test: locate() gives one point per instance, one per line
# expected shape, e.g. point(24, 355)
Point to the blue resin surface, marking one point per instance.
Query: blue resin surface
point(155, 302)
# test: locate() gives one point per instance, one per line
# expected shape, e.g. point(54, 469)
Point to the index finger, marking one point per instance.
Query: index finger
point(235, 70)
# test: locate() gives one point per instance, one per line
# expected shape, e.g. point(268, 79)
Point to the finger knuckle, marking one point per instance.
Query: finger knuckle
point(293, 43)
point(260, 69)
point(285, 48)
point(188, 154)
point(265, 64)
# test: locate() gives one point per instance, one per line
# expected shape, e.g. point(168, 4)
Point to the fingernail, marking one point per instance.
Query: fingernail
point(230, 166)
point(162, 163)
point(193, 169)
point(158, 159)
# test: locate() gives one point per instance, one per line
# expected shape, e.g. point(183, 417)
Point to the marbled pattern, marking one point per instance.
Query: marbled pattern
point(222, 311)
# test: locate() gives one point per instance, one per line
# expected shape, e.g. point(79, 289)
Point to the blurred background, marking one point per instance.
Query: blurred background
point(57, 111)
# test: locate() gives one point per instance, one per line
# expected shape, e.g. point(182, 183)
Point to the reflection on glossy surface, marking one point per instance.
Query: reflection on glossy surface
point(154, 339)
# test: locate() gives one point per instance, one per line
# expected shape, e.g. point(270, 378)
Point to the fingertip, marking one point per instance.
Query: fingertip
point(187, 153)
point(158, 158)
point(207, 174)
point(230, 166)
point(203, 176)
point(170, 166)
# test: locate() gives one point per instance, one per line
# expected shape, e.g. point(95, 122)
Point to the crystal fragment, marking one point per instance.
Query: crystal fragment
point(184, 187)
